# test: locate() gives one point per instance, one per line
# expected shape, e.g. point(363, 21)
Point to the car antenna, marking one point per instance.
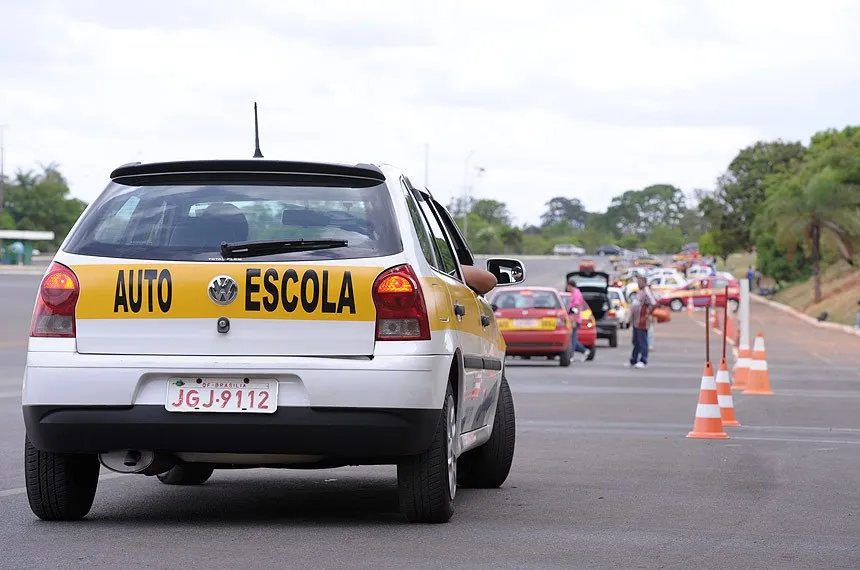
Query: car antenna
point(257, 153)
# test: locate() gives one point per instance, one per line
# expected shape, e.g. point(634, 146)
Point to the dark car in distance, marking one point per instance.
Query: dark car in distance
point(594, 286)
point(608, 250)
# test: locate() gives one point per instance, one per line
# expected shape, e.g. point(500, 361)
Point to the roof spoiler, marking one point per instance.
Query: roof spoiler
point(220, 171)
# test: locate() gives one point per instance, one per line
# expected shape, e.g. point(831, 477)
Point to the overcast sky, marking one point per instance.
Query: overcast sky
point(563, 97)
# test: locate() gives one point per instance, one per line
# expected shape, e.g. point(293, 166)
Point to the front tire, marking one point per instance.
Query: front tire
point(677, 305)
point(613, 340)
point(186, 474)
point(427, 482)
point(60, 486)
point(488, 466)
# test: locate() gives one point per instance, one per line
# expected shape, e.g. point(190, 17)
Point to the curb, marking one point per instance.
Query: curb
point(804, 317)
point(25, 270)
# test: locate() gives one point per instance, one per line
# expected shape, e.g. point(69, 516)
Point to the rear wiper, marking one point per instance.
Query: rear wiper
point(275, 246)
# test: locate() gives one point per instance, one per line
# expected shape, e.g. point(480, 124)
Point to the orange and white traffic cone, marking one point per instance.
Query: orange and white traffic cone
point(730, 329)
point(708, 423)
point(690, 308)
point(724, 396)
point(741, 370)
point(758, 383)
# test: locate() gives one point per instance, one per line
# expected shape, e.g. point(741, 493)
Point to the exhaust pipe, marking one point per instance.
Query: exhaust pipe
point(137, 461)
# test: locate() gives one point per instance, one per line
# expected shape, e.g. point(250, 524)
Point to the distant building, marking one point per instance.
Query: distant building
point(16, 246)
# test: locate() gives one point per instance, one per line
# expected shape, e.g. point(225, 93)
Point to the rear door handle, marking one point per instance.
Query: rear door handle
point(485, 320)
point(459, 310)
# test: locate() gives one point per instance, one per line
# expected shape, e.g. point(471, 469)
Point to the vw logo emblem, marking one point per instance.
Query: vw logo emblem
point(223, 290)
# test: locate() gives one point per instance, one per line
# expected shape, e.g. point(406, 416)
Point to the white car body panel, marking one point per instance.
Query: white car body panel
point(125, 360)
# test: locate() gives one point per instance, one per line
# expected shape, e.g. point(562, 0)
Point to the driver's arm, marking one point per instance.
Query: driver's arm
point(479, 280)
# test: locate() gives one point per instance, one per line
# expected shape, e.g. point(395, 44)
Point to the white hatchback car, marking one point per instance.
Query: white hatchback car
point(187, 323)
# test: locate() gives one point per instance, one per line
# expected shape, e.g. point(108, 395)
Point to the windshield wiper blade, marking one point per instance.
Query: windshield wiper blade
point(275, 246)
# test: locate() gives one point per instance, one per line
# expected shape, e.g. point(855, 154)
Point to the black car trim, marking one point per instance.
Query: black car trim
point(359, 433)
point(481, 363)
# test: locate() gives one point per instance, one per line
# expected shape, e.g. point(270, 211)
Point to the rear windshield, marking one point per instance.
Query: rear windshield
point(188, 223)
point(527, 300)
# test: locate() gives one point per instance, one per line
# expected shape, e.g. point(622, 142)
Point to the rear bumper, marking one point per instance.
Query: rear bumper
point(606, 329)
point(587, 337)
point(527, 343)
point(357, 434)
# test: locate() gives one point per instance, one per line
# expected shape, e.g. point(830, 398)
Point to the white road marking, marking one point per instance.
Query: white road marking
point(822, 358)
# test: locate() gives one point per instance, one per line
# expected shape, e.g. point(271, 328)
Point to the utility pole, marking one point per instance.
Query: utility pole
point(2, 171)
point(466, 205)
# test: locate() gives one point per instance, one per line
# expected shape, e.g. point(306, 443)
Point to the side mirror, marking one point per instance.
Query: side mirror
point(507, 271)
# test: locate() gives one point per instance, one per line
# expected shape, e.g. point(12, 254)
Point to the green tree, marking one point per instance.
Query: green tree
point(816, 206)
point(665, 239)
point(561, 209)
point(776, 262)
point(41, 201)
point(741, 191)
point(639, 212)
point(492, 211)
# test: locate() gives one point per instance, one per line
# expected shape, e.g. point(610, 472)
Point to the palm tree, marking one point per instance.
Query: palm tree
point(817, 208)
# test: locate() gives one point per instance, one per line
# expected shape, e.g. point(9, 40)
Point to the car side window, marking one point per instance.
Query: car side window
point(447, 262)
point(424, 238)
point(460, 245)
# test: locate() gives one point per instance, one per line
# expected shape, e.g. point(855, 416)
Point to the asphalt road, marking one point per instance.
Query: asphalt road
point(603, 476)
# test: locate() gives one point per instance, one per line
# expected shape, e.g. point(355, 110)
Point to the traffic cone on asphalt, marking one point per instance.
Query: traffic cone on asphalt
point(758, 383)
point(708, 423)
point(730, 328)
point(741, 370)
point(724, 396)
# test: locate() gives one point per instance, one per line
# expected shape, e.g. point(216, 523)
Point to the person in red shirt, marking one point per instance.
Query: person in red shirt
point(643, 305)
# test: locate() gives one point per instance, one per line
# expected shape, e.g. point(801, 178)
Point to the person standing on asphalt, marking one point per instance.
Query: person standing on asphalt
point(643, 305)
point(577, 301)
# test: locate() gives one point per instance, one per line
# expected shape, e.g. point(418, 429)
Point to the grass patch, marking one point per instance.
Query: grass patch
point(840, 292)
point(840, 289)
point(737, 264)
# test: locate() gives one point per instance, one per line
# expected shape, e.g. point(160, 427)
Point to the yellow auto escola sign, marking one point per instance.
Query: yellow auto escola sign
point(191, 291)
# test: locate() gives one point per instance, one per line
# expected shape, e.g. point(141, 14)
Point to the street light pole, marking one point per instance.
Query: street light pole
point(467, 206)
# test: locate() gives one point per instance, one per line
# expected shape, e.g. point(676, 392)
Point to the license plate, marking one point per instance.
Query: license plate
point(526, 323)
point(222, 395)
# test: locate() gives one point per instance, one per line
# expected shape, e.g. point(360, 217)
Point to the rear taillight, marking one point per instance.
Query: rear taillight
point(611, 314)
point(54, 313)
point(401, 313)
point(562, 321)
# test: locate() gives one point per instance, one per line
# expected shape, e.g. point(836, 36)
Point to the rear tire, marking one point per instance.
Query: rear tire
point(427, 482)
point(613, 340)
point(60, 486)
point(734, 305)
point(564, 359)
point(489, 466)
point(186, 474)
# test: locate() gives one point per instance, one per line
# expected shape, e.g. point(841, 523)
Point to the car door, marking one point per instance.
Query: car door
point(492, 351)
point(466, 315)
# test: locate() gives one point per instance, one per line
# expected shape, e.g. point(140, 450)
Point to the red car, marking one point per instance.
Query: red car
point(587, 333)
point(701, 291)
point(534, 322)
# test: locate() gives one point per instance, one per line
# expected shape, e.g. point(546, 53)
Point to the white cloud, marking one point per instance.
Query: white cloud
point(558, 97)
